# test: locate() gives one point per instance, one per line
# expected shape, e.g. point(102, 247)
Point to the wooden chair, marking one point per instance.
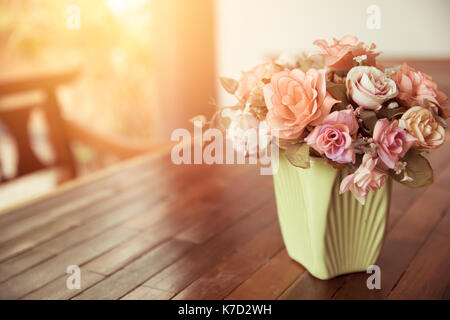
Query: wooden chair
point(62, 132)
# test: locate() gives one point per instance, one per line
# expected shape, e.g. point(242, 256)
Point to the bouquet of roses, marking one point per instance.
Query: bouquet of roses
point(343, 106)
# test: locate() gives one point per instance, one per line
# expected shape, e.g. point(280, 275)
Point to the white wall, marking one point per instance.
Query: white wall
point(247, 30)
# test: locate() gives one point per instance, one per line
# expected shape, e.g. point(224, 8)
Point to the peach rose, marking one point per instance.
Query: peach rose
point(339, 56)
point(393, 142)
point(366, 178)
point(296, 99)
point(369, 87)
point(415, 86)
point(420, 123)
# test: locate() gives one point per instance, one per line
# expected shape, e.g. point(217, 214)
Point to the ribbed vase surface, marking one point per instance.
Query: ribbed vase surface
point(328, 233)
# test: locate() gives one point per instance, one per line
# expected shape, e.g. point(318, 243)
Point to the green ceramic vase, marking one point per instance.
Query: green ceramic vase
point(328, 233)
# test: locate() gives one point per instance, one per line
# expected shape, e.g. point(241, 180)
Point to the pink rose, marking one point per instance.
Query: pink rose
point(393, 142)
point(339, 56)
point(296, 99)
point(415, 86)
point(333, 137)
point(366, 178)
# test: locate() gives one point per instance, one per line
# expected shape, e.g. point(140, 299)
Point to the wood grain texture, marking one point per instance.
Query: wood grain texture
point(227, 275)
point(270, 281)
point(179, 275)
point(100, 218)
point(223, 278)
point(427, 277)
point(57, 289)
point(134, 274)
point(307, 287)
point(146, 293)
point(51, 269)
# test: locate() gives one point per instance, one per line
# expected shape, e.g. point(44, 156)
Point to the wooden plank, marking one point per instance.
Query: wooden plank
point(35, 237)
point(13, 230)
point(116, 208)
point(120, 256)
point(183, 217)
point(164, 222)
point(133, 275)
point(403, 196)
point(265, 243)
point(20, 263)
point(421, 218)
point(147, 293)
point(78, 207)
point(53, 268)
point(111, 177)
point(307, 287)
point(115, 215)
point(446, 295)
point(236, 202)
point(427, 277)
point(57, 289)
point(394, 259)
point(198, 194)
point(439, 157)
point(80, 202)
point(270, 281)
point(401, 245)
point(224, 277)
point(443, 180)
point(94, 227)
point(213, 183)
point(136, 195)
point(179, 275)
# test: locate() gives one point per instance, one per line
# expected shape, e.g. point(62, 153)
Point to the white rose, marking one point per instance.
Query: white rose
point(369, 87)
point(288, 60)
point(247, 132)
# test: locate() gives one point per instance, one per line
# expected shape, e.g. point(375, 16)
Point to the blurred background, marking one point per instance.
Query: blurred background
point(125, 73)
point(248, 31)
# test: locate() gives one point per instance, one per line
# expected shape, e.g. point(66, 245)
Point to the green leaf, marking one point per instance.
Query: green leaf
point(359, 142)
point(298, 155)
point(369, 119)
point(229, 84)
point(441, 121)
point(334, 164)
point(417, 168)
point(339, 92)
point(390, 113)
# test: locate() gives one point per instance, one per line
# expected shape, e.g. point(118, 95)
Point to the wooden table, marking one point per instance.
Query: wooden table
point(148, 229)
